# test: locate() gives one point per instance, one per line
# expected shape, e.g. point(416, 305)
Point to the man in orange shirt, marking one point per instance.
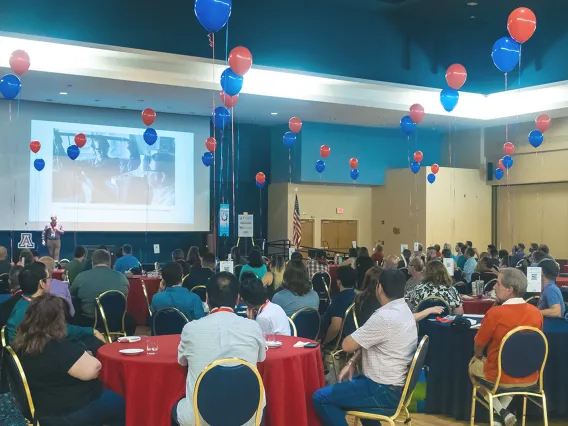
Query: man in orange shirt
point(499, 320)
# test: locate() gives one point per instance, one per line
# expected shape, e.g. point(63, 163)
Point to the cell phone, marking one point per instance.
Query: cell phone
point(311, 345)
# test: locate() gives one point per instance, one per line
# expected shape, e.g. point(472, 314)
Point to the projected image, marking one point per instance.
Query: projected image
point(114, 168)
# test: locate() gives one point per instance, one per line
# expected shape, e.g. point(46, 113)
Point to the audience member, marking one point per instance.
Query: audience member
point(193, 256)
point(297, 257)
point(390, 262)
point(26, 257)
point(533, 247)
point(404, 261)
point(335, 313)
point(89, 263)
point(461, 258)
point(494, 258)
point(75, 267)
point(485, 272)
point(317, 262)
point(272, 280)
point(362, 265)
point(35, 255)
point(378, 255)
point(431, 254)
point(503, 259)
point(201, 272)
point(228, 336)
point(236, 256)
point(470, 264)
point(518, 254)
point(366, 302)
point(438, 253)
point(15, 295)
point(255, 264)
point(544, 248)
point(128, 262)
point(296, 291)
point(61, 374)
point(4, 262)
point(57, 287)
point(537, 257)
point(469, 244)
point(551, 302)
point(352, 257)
point(363, 252)
point(513, 312)
point(416, 271)
point(179, 256)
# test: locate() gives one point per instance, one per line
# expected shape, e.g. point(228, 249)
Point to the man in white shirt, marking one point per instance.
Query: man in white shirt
point(270, 316)
point(221, 334)
point(387, 343)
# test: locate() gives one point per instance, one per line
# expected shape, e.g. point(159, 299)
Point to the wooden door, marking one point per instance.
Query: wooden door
point(329, 234)
point(338, 234)
point(307, 232)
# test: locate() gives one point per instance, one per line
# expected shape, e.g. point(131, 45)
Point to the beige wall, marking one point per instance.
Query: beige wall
point(278, 211)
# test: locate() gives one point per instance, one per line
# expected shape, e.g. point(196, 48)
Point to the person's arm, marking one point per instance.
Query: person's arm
point(182, 349)
point(43, 235)
point(478, 351)
point(350, 345)
point(484, 334)
point(198, 310)
point(86, 368)
point(555, 311)
point(349, 368)
point(554, 301)
point(434, 310)
point(333, 330)
point(75, 332)
point(60, 229)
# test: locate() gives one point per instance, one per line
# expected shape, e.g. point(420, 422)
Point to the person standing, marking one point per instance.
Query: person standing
point(51, 237)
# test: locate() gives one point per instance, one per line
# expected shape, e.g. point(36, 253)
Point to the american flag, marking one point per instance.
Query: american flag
point(297, 224)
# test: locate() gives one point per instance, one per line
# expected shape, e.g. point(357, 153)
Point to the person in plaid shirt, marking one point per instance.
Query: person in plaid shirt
point(317, 263)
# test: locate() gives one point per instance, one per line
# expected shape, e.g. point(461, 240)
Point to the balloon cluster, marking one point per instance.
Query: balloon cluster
point(434, 169)
point(10, 84)
point(408, 122)
point(240, 62)
point(324, 152)
point(415, 165)
point(73, 151)
point(150, 135)
point(39, 164)
point(506, 52)
point(260, 179)
point(289, 138)
point(456, 76)
point(504, 164)
point(210, 145)
point(353, 163)
point(536, 137)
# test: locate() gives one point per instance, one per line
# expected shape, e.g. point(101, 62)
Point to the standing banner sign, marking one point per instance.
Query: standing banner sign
point(224, 220)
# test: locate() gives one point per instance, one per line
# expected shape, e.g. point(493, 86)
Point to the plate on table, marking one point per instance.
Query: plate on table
point(274, 344)
point(131, 352)
point(129, 339)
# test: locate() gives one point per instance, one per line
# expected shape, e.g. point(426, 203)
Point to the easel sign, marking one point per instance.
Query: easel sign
point(245, 227)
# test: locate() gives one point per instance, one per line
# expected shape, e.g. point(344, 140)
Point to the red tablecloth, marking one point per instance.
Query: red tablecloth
point(58, 274)
point(152, 385)
point(562, 281)
point(565, 269)
point(477, 306)
point(136, 303)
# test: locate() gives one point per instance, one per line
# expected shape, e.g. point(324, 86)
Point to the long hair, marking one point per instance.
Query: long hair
point(193, 255)
point(255, 259)
point(44, 321)
point(296, 278)
point(277, 267)
point(436, 274)
point(369, 285)
point(236, 255)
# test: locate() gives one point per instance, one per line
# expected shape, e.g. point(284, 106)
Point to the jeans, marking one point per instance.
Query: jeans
point(359, 394)
point(109, 410)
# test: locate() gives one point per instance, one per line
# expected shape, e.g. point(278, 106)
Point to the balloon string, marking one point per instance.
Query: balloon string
point(233, 162)
point(10, 110)
point(211, 37)
point(506, 125)
point(290, 164)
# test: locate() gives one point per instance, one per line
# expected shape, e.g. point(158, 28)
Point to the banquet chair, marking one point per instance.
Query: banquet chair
point(168, 321)
point(111, 307)
point(293, 331)
point(235, 382)
point(201, 291)
point(432, 301)
point(321, 282)
point(533, 300)
point(307, 322)
point(332, 355)
point(489, 286)
point(411, 379)
point(19, 386)
point(237, 270)
point(64, 262)
point(145, 291)
point(532, 343)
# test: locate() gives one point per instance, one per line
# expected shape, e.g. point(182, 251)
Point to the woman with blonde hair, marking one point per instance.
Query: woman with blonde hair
point(273, 279)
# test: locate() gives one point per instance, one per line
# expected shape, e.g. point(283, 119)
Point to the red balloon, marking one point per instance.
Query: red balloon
point(148, 116)
point(80, 140)
point(240, 60)
point(543, 122)
point(35, 146)
point(509, 148)
point(521, 24)
point(456, 75)
point(210, 144)
point(417, 113)
point(353, 163)
point(295, 124)
point(435, 168)
point(228, 101)
point(418, 156)
point(19, 61)
point(500, 165)
point(325, 151)
point(260, 178)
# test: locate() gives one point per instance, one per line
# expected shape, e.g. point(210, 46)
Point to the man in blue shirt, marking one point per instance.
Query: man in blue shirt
point(127, 261)
point(335, 313)
point(470, 264)
point(551, 302)
point(518, 255)
point(176, 296)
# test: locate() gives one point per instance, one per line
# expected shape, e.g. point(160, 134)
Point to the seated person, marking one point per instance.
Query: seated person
point(228, 336)
point(335, 313)
point(62, 376)
point(273, 278)
point(551, 302)
point(176, 296)
point(416, 272)
point(15, 295)
point(57, 287)
point(495, 258)
point(513, 312)
point(271, 317)
point(201, 272)
point(127, 262)
point(485, 272)
point(179, 256)
point(296, 292)
point(317, 262)
point(362, 265)
point(387, 344)
point(366, 302)
point(255, 264)
point(76, 266)
point(470, 264)
point(26, 257)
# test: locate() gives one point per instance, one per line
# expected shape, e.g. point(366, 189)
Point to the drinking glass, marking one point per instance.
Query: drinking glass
point(268, 331)
point(151, 346)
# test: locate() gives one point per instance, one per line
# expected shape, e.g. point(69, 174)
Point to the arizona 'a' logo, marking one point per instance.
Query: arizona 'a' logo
point(26, 241)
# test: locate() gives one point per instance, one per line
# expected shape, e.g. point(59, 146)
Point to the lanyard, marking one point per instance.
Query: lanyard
point(222, 309)
point(26, 298)
point(263, 306)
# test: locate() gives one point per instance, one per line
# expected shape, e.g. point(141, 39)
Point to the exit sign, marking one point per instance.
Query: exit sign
point(339, 210)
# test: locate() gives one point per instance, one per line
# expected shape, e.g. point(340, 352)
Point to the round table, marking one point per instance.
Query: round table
point(153, 384)
point(477, 306)
point(562, 281)
point(136, 303)
point(58, 274)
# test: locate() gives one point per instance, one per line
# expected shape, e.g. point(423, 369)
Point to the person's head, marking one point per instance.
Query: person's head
point(80, 252)
point(379, 248)
point(255, 259)
point(369, 286)
point(533, 247)
point(458, 247)
point(463, 249)
point(416, 267)
point(446, 253)
point(3, 253)
point(490, 247)
point(172, 274)
point(296, 278)
point(209, 261)
point(248, 275)
point(406, 253)
point(544, 248)
point(511, 283)
point(549, 270)
point(297, 257)
point(494, 253)
point(420, 248)
point(49, 263)
point(469, 253)
point(346, 277)
point(431, 253)
point(353, 252)
point(44, 321)
point(320, 255)
point(391, 286)
point(364, 252)
point(485, 264)
point(437, 274)
point(126, 249)
point(13, 277)
point(236, 254)
point(390, 262)
point(253, 292)
point(469, 244)
point(312, 253)
point(503, 254)
point(35, 255)
point(277, 263)
point(53, 219)
point(101, 258)
point(178, 254)
point(203, 251)
point(193, 255)
point(34, 279)
point(437, 247)
point(520, 247)
point(538, 256)
point(222, 290)
point(26, 257)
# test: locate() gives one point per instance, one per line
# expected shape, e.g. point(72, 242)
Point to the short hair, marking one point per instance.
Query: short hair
point(490, 247)
point(203, 251)
point(538, 256)
point(393, 282)
point(521, 246)
point(30, 277)
point(353, 252)
point(347, 275)
point(49, 263)
point(3, 253)
point(35, 253)
point(178, 254)
point(296, 278)
point(486, 262)
point(469, 243)
point(493, 252)
point(417, 264)
point(379, 248)
point(26, 257)
point(406, 253)
point(437, 247)
point(514, 279)
point(209, 260)
point(463, 249)
point(432, 248)
point(172, 274)
point(101, 257)
point(544, 248)
point(533, 247)
point(446, 253)
point(14, 276)
point(103, 247)
point(222, 290)
point(255, 259)
point(320, 254)
point(127, 249)
point(420, 247)
point(80, 251)
point(253, 292)
point(470, 252)
point(312, 253)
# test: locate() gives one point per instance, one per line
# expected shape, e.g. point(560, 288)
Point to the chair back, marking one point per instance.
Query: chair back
point(168, 321)
point(111, 307)
point(533, 300)
point(237, 270)
point(64, 262)
point(414, 372)
point(293, 331)
point(238, 384)
point(201, 291)
point(307, 322)
point(145, 291)
point(489, 286)
point(321, 281)
point(19, 384)
point(348, 326)
point(432, 301)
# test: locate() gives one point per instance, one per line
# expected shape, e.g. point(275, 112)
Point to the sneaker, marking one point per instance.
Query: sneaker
point(509, 418)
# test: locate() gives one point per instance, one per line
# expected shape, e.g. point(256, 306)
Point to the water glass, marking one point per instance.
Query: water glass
point(151, 346)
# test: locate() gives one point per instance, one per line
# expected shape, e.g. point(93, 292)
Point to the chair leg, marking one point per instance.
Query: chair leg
point(334, 365)
point(408, 420)
point(491, 413)
point(524, 410)
point(544, 412)
point(473, 400)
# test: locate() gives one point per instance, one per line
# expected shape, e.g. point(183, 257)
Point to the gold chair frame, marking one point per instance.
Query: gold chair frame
point(199, 287)
point(446, 304)
point(3, 336)
point(145, 291)
point(307, 309)
point(336, 352)
point(31, 406)
point(324, 283)
point(494, 280)
point(405, 399)
point(109, 334)
point(532, 298)
point(258, 416)
point(170, 308)
point(491, 393)
point(292, 325)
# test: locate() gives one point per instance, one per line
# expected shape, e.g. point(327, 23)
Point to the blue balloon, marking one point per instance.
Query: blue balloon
point(261, 185)
point(289, 139)
point(536, 138)
point(508, 161)
point(407, 125)
point(231, 83)
point(221, 117)
point(506, 54)
point(213, 14)
point(415, 167)
point(449, 99)
point(207, 159)
point(499, 174)
point(354, 174)
point(73, 152)
point(150, 136)
point(431, 178)
point(320, 166)
point(10, 86)
point(39, 164)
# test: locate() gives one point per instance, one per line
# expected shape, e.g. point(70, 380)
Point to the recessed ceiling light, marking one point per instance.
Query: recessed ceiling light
point(62, 93)
point(472, 3)
point(472, 17)
point(140, 100)
point(97, 100)
point(273, 113)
